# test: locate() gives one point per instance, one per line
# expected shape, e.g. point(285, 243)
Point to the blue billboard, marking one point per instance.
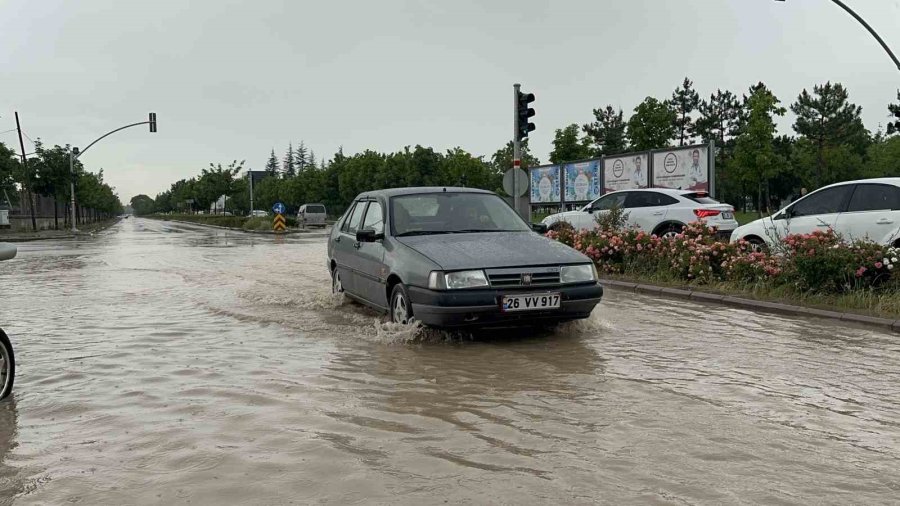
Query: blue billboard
point(582, 181)
point(545, 185)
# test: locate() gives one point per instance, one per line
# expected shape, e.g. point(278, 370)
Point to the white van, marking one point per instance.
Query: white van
point(311, 215)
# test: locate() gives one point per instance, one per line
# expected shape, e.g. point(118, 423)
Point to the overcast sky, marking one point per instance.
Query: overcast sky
point(231, 80)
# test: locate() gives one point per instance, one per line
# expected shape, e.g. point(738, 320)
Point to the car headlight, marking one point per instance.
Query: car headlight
point(577, 273)
point(457, 280)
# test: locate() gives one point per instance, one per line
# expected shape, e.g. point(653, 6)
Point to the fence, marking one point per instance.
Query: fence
point(49, 214)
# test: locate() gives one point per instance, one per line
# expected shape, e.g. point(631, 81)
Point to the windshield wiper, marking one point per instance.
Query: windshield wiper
point(423, 232)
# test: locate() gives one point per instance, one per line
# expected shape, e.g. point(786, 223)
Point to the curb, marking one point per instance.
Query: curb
point(759, 305)
point(260, 232)
point(66, 235)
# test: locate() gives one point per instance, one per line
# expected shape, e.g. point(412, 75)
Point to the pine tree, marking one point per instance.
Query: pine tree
point(755, 146)
point(302, 156)
point(311, 162)
point(607, 132)
point(685, 100)
point(272, 164)
point(894, 126)
point(829, 120)
point(289, 166)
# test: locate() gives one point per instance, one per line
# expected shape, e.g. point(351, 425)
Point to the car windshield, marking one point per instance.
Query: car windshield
point(448, 213)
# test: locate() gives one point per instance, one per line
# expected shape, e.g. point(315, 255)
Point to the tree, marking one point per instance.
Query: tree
point(652, 125)
point(272, 164)
point(607, 132)
point(830, 122)
point(142, 205)
point(894, 126)
point(754, 149)
point(567, 147)
point(502, 159)
point(288, 166)
point(685, 100)
point(301, 156)
point(9, 167)
point(719, 122)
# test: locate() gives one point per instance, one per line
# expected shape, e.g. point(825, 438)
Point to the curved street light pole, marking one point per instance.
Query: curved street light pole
point(74, 154)
point(869, 28)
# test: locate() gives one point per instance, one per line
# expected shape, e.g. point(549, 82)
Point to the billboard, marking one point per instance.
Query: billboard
point(627, 172)
point(682, 168)
point(582, 181)
point(545, 186)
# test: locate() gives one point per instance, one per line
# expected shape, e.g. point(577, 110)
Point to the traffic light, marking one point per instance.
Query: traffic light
point(523, 112)
point(152, 122)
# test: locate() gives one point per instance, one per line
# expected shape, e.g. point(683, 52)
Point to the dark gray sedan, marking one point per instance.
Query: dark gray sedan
point(452, 257)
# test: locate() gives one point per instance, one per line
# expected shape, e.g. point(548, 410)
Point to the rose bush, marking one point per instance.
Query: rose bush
point(818, 262)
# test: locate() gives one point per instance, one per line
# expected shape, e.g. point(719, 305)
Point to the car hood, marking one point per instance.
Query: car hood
point(489, 250)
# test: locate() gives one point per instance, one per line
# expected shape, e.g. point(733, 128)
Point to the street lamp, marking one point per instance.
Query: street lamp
point(869, 28)
point(74, 154)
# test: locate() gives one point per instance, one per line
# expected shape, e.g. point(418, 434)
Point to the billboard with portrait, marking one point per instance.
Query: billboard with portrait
point(582, 181)
point(625, 172)
point(682, 168)
point(545, 185)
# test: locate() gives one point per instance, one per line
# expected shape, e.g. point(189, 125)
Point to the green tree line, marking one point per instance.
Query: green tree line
point(48, 173)
point(755, 165)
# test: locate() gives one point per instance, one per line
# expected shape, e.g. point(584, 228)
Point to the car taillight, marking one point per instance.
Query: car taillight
point(706, 213)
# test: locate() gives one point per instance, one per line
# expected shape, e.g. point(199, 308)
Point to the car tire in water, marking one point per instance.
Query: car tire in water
point(757, 245)
point(336, 285)
point(401, 308)
point(7, 366)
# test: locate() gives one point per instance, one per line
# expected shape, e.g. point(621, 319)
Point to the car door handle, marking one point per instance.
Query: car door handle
point(337, 239)
point(884, 221)
point(356, 245)
point(822, 225)
point(658, 213)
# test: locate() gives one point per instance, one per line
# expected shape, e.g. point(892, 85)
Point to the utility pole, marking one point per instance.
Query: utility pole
point(73, 154)
point(250, 175)
point(517, 148)
point(26, 174)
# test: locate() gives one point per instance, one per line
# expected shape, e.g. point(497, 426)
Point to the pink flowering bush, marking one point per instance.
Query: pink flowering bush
point(818, 262)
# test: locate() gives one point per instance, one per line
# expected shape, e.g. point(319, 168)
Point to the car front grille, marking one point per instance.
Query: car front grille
point(507, 278)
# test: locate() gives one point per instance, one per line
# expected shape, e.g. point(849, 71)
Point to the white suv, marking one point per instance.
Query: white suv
point(656, 210)
point(866, 209)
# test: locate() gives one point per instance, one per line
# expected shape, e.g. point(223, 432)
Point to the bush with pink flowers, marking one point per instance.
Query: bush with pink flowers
point(819, 262)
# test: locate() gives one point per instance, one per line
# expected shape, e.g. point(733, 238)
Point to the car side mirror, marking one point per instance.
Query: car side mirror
point(368, 235)
point(590, 210)
point(539, 228)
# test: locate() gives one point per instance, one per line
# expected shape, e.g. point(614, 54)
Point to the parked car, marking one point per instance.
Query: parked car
point(865, 209)
point(311, 215)
point(258, 213)
point(451, 257)
point(656, 210)
point(7, 356)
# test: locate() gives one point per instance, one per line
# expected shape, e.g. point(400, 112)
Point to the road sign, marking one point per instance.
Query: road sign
point(278, 208)
point(278, 222)
point(521, 181)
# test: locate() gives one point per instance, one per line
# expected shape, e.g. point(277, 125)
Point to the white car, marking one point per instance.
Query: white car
point(866, 209)
point(659, 211)
point(258, 213)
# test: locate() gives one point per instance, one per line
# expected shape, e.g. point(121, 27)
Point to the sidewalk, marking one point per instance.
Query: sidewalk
point(42, 235)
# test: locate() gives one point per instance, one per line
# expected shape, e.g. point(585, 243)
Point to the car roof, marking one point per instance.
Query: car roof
point(415, 190)
point(883, 180)
point(667, 191)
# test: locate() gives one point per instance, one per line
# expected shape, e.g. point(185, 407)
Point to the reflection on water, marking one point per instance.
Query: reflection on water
point(162, 362)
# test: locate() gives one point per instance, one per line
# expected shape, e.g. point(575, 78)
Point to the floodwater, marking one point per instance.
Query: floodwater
point(166, 363)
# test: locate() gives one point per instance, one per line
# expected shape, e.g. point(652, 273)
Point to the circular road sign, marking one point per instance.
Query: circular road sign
point(521, 179)
point(278, 208)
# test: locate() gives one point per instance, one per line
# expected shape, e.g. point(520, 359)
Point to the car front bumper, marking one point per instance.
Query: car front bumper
point(481, 308)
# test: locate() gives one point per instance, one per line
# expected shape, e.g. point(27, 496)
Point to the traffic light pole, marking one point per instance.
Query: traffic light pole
point(517, 147)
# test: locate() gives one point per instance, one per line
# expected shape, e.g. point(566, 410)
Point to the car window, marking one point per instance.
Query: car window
point(315, 209)
point(374, 218)
point(610, 201)
point(648, 199)
point(451, 212)
point(701, 198)
point(352, 223)
point(827, 201)
point(875, 197)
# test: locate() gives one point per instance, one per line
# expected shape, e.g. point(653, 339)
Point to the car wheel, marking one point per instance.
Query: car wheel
point(7, 366)
point(401, 308)
point(757, 245)
point(336, 285)
point(670, 231)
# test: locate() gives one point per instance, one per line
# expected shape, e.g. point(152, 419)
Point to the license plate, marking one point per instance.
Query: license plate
point(529, 302)
point(727, 216)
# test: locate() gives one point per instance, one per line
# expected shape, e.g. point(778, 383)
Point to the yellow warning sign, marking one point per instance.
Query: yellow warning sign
point(278, 224)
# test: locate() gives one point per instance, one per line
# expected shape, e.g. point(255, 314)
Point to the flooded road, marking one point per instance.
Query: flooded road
point(168, 363)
